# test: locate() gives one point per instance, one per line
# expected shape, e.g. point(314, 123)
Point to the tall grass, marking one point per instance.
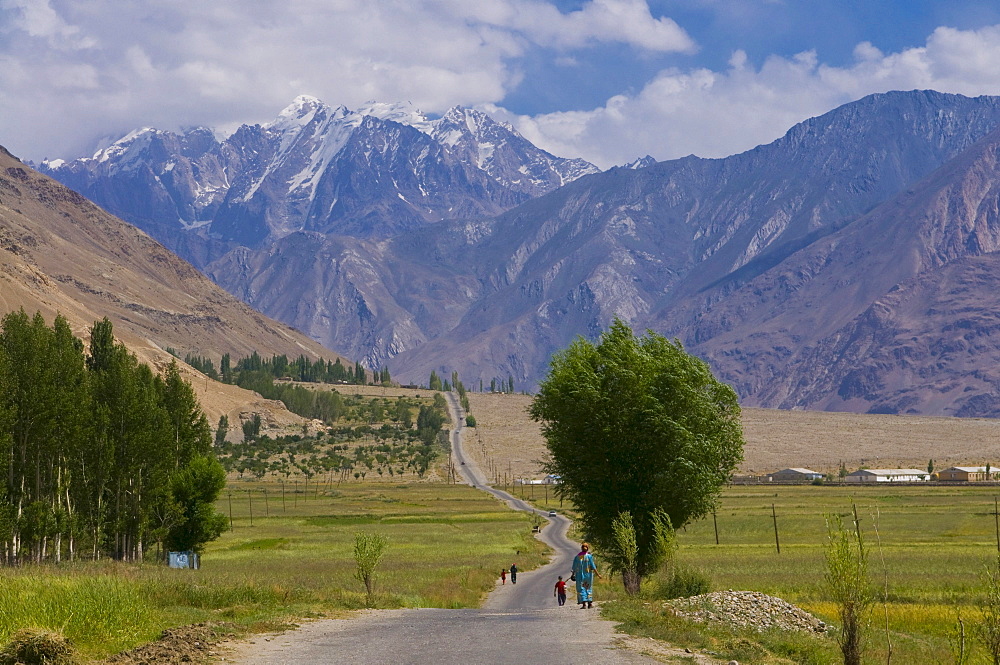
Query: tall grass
point(100, 609)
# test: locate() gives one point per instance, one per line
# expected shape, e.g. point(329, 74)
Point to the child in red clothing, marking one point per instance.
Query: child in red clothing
point(560, 591)
point(503, 576)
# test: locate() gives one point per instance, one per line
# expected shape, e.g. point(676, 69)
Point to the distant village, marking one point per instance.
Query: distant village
point(800, 476)
point(955, 474)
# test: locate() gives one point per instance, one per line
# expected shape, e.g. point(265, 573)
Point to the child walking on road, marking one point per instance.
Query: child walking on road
point(560, 591)
point(503, 576)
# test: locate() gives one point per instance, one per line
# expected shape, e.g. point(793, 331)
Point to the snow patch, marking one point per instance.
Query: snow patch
point(404, 113)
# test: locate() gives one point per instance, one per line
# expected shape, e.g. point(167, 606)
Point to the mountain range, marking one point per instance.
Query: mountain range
point(846, 266)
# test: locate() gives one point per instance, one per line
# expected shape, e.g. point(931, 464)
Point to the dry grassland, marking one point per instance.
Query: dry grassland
point(506, 438)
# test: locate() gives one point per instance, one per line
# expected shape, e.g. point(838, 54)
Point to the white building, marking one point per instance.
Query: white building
point(796, 474)
point(887, 476)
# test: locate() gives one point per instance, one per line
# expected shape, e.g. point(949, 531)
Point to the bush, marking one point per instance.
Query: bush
point(683, 583)
point(31, 646)
point(470, 421)
point(369, 548)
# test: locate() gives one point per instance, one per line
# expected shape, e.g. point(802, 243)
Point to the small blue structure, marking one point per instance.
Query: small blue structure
point(187, 559)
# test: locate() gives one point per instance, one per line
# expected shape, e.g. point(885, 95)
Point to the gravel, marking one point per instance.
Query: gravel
point(746, 609)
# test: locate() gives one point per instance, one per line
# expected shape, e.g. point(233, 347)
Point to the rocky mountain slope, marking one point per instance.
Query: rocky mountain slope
point(894, 313)
point(60, 253)
point(707, 250)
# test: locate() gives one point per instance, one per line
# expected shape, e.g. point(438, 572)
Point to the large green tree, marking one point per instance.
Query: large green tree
point(638, 429)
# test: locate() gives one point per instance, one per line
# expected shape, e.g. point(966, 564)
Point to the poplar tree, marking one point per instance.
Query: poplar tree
point(222, 430)
point(637, 427)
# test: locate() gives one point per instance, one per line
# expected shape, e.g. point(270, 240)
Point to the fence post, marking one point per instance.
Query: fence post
point(230, 511)
point(715, 523)
point(774, 516)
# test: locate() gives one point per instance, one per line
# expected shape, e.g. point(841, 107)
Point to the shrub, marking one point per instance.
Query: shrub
point(849, 586)
point(470, 421)
point(683, 583)
point(368, 551)
point(30, 646)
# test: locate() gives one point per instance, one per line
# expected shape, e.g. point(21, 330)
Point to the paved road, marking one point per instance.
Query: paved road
point(534, 588)
point(519, 624)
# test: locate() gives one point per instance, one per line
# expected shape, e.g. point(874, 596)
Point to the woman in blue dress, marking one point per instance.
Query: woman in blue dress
point(584, 571)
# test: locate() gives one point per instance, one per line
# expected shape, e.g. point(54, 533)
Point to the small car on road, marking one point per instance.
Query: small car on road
point(552, 513)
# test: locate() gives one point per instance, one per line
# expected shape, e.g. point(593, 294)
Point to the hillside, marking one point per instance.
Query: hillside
point(59, 253)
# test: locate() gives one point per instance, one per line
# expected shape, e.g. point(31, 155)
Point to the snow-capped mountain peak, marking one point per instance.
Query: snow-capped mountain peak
point(317, 167)
point(298, 114)
point(134, 140)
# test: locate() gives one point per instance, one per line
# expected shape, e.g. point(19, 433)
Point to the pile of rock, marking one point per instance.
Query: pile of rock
point(746, 609)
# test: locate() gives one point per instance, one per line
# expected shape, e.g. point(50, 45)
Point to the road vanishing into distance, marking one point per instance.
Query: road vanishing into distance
point(519, 623)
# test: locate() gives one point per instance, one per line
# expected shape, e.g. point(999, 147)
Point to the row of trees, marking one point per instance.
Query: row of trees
point(100, 457)
point(279, 367)
point(435, 382)
point(325, 405)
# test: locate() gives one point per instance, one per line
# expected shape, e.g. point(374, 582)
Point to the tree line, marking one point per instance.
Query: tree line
point(280, 367)
point(99, 455)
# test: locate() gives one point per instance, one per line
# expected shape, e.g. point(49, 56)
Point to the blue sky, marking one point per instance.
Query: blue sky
point(761, 29)
point(608, 80)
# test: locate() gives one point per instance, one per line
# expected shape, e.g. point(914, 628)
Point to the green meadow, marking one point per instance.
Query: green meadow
point(447, 545)
point(927, 549)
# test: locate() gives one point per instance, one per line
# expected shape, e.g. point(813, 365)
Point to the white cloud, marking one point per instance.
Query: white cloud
point(76, 70)
point(714, 114)
point(37, 18)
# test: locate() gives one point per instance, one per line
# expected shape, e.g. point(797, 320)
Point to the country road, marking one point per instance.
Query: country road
point(518, 624)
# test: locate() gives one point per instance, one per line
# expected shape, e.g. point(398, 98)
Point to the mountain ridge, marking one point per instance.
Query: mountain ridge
point(371, 173)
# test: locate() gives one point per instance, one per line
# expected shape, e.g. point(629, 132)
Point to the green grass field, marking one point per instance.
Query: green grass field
point(447, 544)
point(934, 542)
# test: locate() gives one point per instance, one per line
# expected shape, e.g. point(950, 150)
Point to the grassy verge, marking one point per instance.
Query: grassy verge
point(645, 616)
point(447, 544)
